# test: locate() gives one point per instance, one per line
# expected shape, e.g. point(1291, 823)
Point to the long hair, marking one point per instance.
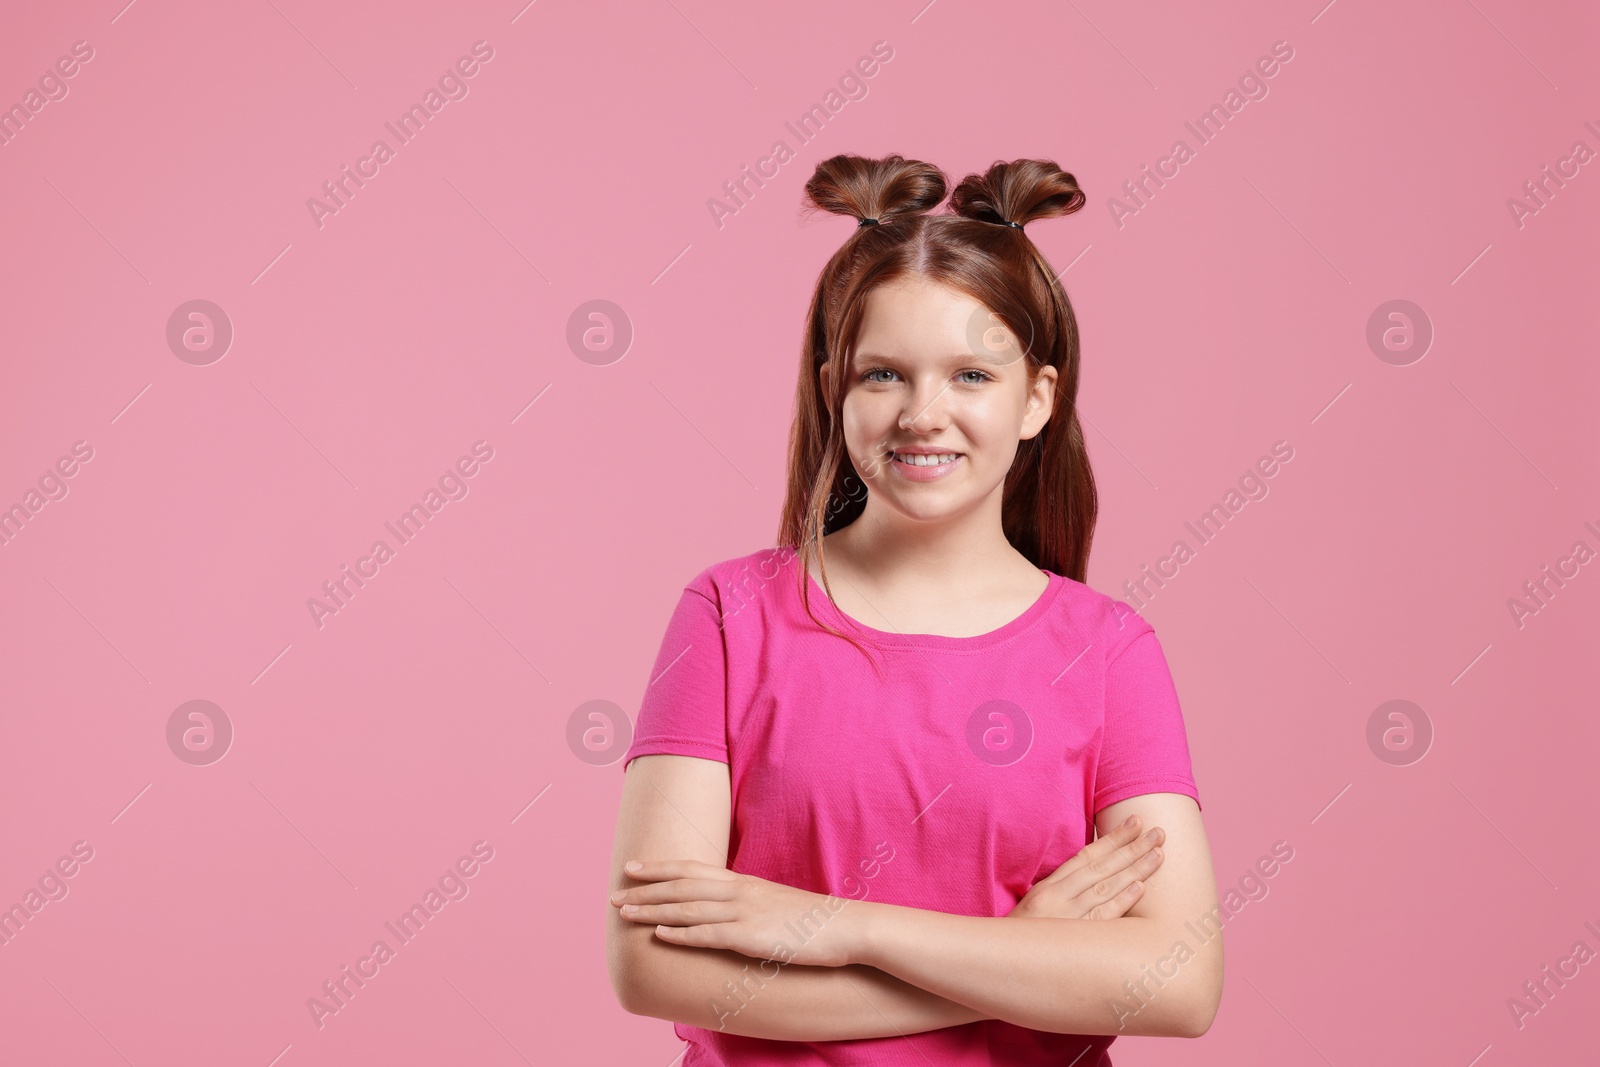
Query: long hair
point(1048, 500)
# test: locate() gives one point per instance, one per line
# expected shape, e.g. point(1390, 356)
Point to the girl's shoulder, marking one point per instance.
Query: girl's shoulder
point(1113, 621)
point(737, 579)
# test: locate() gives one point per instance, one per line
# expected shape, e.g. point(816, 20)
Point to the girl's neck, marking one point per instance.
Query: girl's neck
point(970, 551)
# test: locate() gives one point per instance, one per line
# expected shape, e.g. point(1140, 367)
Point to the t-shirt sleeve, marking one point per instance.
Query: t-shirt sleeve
point(1144, 748)
point(684, 707)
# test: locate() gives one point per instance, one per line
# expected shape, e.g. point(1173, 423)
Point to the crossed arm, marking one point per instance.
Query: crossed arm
point(881, 970)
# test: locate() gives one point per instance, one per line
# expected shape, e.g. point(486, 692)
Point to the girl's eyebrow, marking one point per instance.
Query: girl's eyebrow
point(959, 357)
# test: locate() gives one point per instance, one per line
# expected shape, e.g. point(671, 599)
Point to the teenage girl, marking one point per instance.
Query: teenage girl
point(885, 772)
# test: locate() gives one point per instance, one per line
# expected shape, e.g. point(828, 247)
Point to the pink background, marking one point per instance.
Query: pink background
point(369, 354)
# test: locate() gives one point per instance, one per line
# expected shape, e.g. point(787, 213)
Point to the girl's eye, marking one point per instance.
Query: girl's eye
point(982, 376)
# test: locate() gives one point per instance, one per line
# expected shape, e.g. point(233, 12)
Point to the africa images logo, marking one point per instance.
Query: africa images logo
point(452, 86)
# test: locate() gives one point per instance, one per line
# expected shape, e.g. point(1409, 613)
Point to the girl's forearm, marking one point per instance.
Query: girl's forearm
point(718, 989)
point(1080, 976)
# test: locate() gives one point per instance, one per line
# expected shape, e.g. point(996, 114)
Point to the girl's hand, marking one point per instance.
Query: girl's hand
point(703, 906)
point(1101, 882)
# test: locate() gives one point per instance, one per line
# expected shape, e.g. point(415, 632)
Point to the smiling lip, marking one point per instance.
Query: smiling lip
point(914, 473)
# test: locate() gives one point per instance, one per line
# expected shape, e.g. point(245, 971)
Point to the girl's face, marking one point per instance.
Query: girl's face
point(937, 399)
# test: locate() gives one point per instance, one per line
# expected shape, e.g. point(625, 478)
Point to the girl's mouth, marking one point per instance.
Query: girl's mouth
point(919, 467)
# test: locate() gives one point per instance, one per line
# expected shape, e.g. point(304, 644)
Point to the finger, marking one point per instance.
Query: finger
point(1110, 887)
point(1120, 904)
point(659, 870)
point(1102, 851)
point(1106, 875)
point(681, 913)
point(712, 935)
point(1128, 863)
point(1107, 844)
point(708, 936)
point(1126, 855)
point(678, 889)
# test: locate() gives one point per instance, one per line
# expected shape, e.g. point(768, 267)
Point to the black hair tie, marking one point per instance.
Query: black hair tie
point(1018, 225)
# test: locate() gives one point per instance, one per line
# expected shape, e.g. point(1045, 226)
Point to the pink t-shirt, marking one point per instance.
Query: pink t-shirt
point(971, 769)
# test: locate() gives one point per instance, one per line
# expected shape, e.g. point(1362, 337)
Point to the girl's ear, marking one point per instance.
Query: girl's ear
point(1041, 402)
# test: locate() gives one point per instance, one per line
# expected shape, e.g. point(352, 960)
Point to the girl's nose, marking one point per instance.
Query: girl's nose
point(923, 412)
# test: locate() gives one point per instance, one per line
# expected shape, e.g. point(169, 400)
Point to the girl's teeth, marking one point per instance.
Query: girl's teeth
point(925, 461)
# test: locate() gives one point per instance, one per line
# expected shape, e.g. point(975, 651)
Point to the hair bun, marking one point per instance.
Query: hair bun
point(1017, 192)
point(884, 189)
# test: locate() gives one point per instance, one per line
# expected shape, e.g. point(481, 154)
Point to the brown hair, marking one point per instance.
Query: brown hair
point(1049, 501)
